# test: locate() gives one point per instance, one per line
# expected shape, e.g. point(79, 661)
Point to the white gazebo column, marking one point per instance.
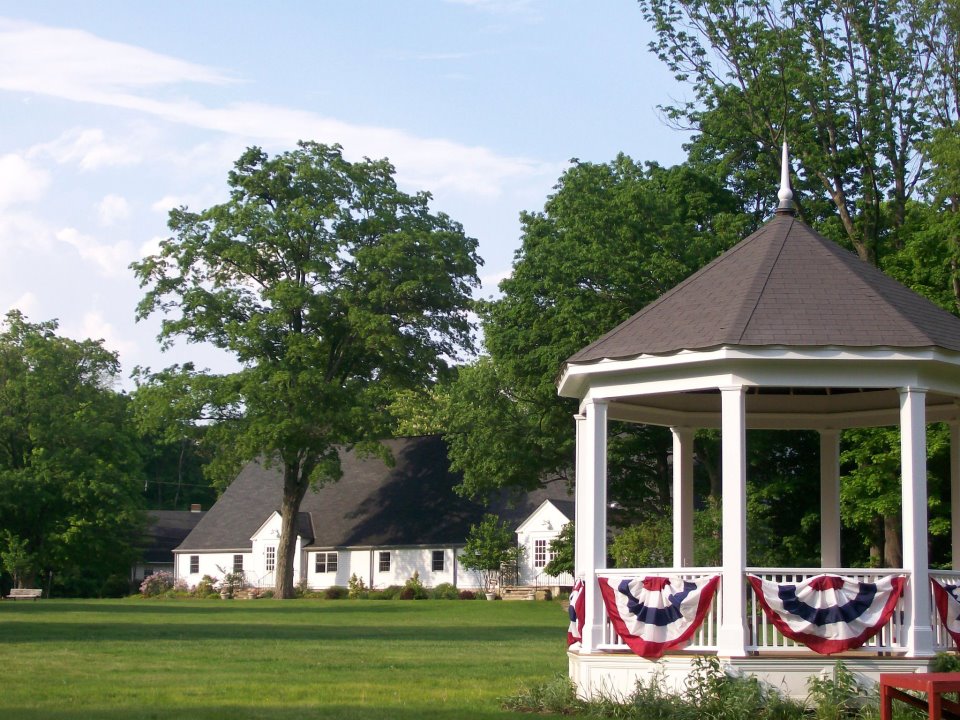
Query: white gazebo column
point(830, 498)
point(682, 497)
point(955, 494)
point(730, 637)
point(913, 459)
point(591, 515)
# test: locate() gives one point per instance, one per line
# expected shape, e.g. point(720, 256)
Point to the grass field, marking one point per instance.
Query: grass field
point(120, 659)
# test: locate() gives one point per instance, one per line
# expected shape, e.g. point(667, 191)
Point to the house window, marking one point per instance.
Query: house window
point(539, 553)
point(238, 563)
point(384, 561)
point(194, 564)
point(271, 558)
point(326, 562)
point(437, 563)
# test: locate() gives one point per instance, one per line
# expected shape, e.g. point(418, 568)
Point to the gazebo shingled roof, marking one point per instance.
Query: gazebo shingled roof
point(784, 285)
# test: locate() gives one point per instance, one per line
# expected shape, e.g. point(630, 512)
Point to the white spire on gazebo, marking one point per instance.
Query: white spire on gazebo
point(785, 195)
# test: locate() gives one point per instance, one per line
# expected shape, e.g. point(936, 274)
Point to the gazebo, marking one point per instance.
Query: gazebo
point(786, 330)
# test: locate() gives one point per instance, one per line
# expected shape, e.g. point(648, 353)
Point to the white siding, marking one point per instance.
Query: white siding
point(210, 564)
point(544, 524)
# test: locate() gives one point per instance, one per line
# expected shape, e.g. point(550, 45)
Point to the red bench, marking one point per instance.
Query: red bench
point(893, 685)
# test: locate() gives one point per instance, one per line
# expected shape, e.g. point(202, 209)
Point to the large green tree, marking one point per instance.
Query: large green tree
point(610, 239)
point(330, 286)
point(867, 96)
point(847, 83)
point(70, 472)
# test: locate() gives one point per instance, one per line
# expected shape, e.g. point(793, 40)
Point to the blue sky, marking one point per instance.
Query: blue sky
point(114, 112)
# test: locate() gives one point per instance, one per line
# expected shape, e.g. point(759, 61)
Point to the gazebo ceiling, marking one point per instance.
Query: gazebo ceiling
point(781, 408)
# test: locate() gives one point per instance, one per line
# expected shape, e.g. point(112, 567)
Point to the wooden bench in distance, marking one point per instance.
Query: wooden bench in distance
point(25, 594)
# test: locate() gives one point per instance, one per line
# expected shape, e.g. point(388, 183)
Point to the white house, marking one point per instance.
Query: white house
point(535, 534)
point(380, 523)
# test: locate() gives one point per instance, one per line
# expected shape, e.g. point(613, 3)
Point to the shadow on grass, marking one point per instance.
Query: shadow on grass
point(274, 712)
point(62, 632)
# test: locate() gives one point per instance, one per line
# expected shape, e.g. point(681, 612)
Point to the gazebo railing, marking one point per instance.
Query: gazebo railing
point(942, 640)
point(703, 640)
point(764, 637)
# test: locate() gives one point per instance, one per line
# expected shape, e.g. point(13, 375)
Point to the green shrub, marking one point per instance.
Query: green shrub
point(206, 587)
point(709, 693)
point(841, 696)
point(445, 591)
point(356, 587)
point(115, 586)
point(945, 662)
point(413, 589)
point(336, 592)
point(555, 696)
point(265, 594)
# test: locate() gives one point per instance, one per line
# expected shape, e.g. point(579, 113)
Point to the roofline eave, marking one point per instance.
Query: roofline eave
point(577, 378)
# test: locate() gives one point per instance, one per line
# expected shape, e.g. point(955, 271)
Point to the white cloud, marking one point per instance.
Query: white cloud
point(112, 259)
point(89, 149)
point(26, 303)
point(113, 208)
point(79, 66)
point(24, 231)
point(490, 283)
point(20, 181)
point(151, 246)
point(94, 326)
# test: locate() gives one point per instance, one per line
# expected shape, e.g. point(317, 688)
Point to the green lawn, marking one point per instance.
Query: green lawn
point(270, 659)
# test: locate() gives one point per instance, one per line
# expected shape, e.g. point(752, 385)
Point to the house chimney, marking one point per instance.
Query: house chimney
point(195, 507)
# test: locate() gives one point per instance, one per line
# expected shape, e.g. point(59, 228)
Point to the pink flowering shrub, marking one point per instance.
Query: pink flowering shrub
point(160, 583)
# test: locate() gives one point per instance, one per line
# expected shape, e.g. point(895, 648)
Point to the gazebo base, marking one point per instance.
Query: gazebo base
point(615, 675)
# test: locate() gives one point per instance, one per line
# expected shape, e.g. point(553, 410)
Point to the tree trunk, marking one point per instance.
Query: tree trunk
point(892, 549)
point(876, 542)
point(295, 483)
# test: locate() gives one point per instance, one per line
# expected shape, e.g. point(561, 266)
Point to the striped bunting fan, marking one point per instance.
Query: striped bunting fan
point(652, 614)
point(829, 613)
point(947, 600)
point(577, 602)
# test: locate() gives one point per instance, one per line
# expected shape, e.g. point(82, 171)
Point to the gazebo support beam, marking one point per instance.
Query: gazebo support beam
point(682, 496)
point(830, 499)
point(591, 514)
point(730, 637)
point(913, 458)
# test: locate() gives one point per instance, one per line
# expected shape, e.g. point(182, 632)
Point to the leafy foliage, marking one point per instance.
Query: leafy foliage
point(610, 239)
point(562, 552)
point(70, 472)
point(331, 288)
point(490, 545)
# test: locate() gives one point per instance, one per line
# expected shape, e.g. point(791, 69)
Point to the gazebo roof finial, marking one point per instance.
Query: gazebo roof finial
point(785, 194)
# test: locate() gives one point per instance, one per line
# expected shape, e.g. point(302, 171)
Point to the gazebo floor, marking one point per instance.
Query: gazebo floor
point(615, 674)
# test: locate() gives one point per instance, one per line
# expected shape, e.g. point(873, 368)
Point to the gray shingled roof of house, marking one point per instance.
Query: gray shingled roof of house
point(412, 503)
point(784, 285)
point(165, 530)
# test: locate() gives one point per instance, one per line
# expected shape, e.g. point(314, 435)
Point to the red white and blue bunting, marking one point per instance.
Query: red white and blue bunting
point(829, 613)
point(576, 610)
point(652, 614)
point(947, 600)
